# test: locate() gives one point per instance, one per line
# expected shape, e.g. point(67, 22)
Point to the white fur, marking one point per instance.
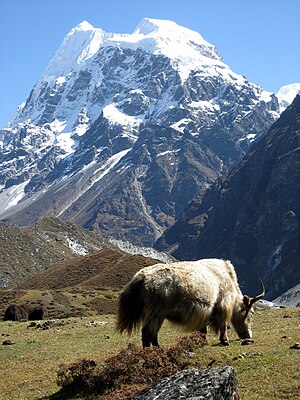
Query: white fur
point(193, 294)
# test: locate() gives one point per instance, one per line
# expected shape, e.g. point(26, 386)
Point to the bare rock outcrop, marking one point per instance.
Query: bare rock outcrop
point(209, 384)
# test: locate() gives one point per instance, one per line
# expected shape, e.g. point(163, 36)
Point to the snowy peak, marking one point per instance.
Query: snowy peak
point(80, 44)
point(93, 69)
point(172, 40)
point(183, 45)
point(286, 95)
point(83, 26)
point(167, 29)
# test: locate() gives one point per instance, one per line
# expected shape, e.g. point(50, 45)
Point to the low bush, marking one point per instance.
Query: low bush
point(130, 366)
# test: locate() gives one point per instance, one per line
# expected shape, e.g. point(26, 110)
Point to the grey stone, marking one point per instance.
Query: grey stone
point(193, 384)
point(8, 342)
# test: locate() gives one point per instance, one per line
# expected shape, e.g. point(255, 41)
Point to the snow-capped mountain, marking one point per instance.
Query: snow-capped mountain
point(78, 65)
point(122, 130)
point(286, 95)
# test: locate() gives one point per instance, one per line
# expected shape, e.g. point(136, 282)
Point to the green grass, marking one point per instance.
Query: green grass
point(269, 369)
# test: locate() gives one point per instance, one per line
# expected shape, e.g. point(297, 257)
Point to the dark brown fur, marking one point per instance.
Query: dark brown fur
point(131, 306)
point(24, 312)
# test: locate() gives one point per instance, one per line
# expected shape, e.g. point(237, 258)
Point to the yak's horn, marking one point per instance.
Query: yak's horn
point(260, 296)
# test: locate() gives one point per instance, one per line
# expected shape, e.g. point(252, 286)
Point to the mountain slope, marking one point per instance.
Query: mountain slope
point(86, 285)
point(123, 130)
point(27, 250)
point(251, 216)
point(291, 298)
point(108, 268)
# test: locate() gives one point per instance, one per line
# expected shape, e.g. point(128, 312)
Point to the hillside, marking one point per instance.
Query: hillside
point(25, 251)
point(108, 268)
point(291, 298)
point(87, 285)
point(252, 215)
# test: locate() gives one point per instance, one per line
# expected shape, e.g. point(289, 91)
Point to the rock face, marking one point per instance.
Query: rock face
point(210, 384)
point(251, 216)
point(291, 298)
point(122, 131)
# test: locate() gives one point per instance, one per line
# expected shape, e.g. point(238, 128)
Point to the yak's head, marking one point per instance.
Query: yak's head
point(242, 314)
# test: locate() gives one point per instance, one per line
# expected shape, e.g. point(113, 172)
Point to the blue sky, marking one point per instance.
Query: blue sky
point(256, 38)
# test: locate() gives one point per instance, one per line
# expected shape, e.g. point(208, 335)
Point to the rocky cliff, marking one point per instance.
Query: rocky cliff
point(251, 216)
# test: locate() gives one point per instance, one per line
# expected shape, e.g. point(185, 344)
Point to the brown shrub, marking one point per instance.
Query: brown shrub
point(77, 374)
point(131, 366)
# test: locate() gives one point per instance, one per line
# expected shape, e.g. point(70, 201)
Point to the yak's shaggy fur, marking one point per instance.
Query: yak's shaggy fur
point(193, 294)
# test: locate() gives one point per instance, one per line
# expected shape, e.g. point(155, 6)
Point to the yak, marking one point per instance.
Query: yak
point(23, 312)
point(192, 294)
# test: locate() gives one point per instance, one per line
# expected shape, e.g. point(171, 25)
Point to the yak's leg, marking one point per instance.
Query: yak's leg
point(204, 331)
point(149, 333)
point(154, 341)
point(223, 335)
point(148, 337)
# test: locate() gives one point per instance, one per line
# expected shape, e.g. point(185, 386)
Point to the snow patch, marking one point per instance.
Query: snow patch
point(144, 251)
point(250, 136)
point(81, 129)
point(115, 116)
point(57, 126)
point(98, 174)
point(167, 152)
point(204, 104)
point(13, 195)
point(286, 95)
point(265, 305)
point(60, 80)
point(110, 163)
point(180, 125)
point(66, 143)
point(76, 247)
point(266, 96)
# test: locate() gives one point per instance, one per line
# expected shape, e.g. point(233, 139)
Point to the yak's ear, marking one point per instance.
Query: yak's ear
point(246, 301)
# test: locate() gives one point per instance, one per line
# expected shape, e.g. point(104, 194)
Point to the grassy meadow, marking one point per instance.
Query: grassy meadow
point(269, 369)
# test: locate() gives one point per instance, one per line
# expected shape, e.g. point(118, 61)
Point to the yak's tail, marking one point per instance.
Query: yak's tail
point(131, 305)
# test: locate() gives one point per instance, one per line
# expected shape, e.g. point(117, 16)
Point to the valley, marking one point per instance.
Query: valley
point(133, 149)
point(267, 369)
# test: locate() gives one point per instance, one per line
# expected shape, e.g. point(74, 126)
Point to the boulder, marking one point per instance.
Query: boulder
point(193, 384)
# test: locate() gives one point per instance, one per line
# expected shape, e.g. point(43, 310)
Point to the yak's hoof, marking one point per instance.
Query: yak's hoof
point(225, 343)
point(247, 342)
